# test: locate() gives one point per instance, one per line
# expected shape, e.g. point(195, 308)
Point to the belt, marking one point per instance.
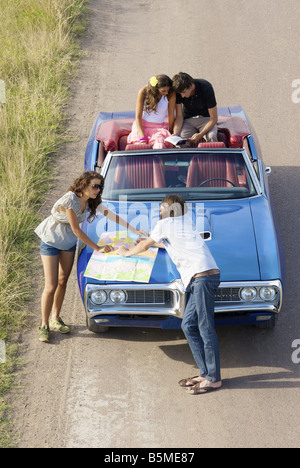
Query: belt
point(206, 273)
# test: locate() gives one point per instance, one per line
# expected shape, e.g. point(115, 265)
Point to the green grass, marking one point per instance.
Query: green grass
point(39, 50)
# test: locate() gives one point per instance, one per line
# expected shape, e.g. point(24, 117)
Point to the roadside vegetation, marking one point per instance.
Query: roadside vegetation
point(38, 52)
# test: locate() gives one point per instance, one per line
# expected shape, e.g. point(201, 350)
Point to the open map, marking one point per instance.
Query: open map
point(112, 267)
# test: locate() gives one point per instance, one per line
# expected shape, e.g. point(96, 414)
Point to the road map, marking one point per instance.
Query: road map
point(112, 267)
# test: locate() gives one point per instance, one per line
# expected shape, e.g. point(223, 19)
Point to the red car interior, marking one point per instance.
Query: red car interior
point(139, 172)
point(148, 171)
point(113, 134)
point(211, 170)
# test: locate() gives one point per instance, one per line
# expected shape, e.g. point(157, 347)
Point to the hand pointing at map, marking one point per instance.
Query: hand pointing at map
point(137, 249)
point(123, 251)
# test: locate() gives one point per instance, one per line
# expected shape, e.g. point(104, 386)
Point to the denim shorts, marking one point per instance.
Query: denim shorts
point(50, 251)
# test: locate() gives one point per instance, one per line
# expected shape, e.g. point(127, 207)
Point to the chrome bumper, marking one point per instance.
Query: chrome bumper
point(169, 299)
point(173, 302)
point(233, 303)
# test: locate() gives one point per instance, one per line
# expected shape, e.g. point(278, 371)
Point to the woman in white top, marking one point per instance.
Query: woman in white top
point(155, 109)
point(59, 233)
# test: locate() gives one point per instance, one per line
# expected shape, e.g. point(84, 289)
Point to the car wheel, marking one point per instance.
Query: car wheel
point(269, 323)
point(95, 328)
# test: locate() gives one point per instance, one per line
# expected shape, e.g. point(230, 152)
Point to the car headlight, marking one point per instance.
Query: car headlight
point(98, 297)
point(117, 296)
point(267, 293)
point(248, 294)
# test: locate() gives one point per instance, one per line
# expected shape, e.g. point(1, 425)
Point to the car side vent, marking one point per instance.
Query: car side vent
point(206, 235)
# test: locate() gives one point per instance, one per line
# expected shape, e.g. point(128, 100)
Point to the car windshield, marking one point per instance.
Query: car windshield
point(195, 176)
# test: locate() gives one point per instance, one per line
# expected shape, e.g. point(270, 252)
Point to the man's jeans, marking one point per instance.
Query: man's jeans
point(198, 325)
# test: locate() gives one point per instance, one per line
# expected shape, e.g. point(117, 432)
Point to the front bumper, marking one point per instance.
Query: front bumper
point(141, 299)
point(162, 305)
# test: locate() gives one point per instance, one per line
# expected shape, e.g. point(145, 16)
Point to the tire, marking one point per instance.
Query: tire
point(95, 328)
point(269, 323)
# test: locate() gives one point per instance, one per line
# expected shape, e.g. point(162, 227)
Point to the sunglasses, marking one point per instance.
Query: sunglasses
point(96, 186)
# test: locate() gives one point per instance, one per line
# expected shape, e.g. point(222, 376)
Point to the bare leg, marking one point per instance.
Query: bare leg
point(51, 266)
point(66, 260)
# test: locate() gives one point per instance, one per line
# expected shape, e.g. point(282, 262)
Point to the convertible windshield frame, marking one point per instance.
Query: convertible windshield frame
point(191, 193)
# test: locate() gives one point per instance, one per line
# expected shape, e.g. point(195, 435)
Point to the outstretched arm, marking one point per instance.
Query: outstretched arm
point(73, 220)
point(141, 247)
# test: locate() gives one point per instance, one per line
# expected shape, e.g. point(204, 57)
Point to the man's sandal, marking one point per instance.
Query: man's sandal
point(189, 382)
point(198, 390)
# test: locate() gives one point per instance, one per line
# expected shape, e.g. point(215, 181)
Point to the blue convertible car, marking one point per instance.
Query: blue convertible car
point(225, 185)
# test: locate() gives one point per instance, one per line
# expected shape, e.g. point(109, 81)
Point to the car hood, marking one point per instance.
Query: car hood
point(227, 226)
point(233, 241)
point(228, 231)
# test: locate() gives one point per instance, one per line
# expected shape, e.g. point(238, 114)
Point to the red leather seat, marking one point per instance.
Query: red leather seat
point(212, 144)
point(224, 136)
point(206, 167)
point(138, 146)
point(110, 132)
point(140, 172)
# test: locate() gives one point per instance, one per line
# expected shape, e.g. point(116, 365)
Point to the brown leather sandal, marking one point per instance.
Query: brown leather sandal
point(198, 390)
point(183, 382)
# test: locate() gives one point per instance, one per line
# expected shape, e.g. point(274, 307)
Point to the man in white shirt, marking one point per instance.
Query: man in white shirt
point(201, 277)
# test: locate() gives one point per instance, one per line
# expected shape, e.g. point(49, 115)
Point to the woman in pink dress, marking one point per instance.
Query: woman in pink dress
point(155, 103)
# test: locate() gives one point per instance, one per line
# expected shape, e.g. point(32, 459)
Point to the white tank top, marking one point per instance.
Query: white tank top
point(158, 116)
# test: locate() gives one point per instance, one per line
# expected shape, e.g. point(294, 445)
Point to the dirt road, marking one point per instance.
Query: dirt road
point(120, 389)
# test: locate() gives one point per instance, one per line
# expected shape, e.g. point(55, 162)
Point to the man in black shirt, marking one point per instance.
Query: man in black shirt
point(196, 109)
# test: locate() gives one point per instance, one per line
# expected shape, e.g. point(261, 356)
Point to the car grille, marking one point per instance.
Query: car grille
point(228, 295)
point(152, 296)
point(156, 296)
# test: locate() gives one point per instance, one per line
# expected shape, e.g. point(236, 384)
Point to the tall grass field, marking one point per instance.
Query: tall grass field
point(39, 49)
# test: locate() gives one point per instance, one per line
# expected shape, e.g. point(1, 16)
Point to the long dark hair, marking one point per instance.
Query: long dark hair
point(81, 183)
point(152, 92)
